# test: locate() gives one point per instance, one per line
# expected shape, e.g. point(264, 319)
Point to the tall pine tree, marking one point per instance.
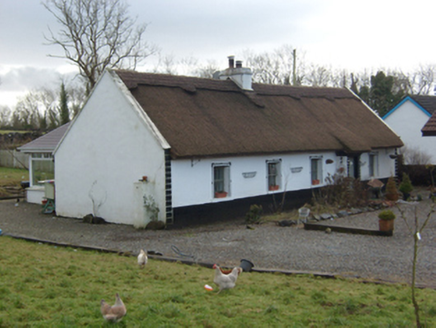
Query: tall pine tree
point(64, 112)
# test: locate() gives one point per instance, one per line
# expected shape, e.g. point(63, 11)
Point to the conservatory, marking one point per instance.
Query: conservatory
point(41, 163)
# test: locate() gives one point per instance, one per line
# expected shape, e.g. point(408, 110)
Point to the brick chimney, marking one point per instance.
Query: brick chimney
point(240, 75)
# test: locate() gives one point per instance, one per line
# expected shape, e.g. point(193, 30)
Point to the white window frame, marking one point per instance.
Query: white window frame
point(317, 174)
point(218, 187)
point(373, 164)
point(39, 157)
point(274, 179)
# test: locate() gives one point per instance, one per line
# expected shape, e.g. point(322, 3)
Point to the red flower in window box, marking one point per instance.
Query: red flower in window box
point(315, 182)
point(220, 194)
point(273, 187)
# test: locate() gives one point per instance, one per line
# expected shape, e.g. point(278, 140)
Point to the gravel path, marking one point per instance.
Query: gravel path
point(268, 246)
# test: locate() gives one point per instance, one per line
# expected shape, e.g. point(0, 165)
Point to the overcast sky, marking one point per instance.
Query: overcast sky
point(340, 33)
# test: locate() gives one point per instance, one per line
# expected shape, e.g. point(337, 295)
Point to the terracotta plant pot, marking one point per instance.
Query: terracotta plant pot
point(386, 225)
point(273, 187)
point(221, 194)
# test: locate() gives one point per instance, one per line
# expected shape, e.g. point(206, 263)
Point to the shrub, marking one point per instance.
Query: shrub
point(253, 215)
point(342, 192)
point(386, 215)
point(406, 185)
point(391, 189)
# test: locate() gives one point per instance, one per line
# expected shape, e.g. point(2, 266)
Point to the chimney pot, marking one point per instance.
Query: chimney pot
point(238, 63)
point(231, 61)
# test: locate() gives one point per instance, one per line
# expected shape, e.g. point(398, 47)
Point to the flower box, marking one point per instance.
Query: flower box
point(220, 194)
point(273, 187)
point(315, 182)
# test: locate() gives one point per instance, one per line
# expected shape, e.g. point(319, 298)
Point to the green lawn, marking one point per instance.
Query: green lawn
point(10, 176)
point(48, 286)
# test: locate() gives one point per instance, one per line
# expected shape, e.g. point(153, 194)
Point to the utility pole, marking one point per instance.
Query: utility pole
point(294, 68)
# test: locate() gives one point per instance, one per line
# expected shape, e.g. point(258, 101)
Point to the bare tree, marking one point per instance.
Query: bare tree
point(76, 98)
point(32, 109)
point(318, 76)
point(341, 79)
point(97, 34)
point(206, 70)
point(39, 108)
point(166, 64)
point(276, 67)
point(5, 116)
point(423, 78)
point(415, 231)
point(415, 156)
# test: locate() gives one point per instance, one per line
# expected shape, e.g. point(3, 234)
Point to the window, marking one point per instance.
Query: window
point(41, 168)
point(221, 180)
point(316, 170)
point(373, 164)
point(273, 168)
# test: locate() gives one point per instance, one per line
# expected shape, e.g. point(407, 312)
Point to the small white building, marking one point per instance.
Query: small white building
point(407, 119)
point(149, 146)
point(41, 162)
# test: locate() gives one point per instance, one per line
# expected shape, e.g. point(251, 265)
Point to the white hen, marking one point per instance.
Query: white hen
point(115, 312)
point(142, 259)
point(226, 281)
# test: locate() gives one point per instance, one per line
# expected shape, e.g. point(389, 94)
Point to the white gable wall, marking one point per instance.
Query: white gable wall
point(107, 150)
point(407, 121)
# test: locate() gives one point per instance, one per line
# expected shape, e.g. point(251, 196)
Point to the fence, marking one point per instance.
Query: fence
point(14, 159)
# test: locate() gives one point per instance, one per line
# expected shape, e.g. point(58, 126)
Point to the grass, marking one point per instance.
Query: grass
point(48, 286)
point(13, 131)
point(11, 177)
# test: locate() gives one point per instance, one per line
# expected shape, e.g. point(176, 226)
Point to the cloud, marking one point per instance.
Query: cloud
point(15, 82)
point(29, 78)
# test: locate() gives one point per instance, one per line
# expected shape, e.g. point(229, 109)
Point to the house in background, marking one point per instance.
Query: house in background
point(177, 149)
point(429, 129)
point(407, 119)
point(41, 162)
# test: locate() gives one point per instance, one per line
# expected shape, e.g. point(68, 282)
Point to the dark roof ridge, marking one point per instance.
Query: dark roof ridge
point(191, 83)
point(188, 83)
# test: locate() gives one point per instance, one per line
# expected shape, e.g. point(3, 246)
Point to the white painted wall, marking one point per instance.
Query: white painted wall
point(192, 181)
point(107, 150)
point(407, 121)
point(35, 194)
point(384, 168)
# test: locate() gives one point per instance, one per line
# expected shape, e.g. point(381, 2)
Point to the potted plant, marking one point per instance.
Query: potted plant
point(273, 187)
point(406, 186)
point(391, 189)
point(220, 194)
point(386, 220)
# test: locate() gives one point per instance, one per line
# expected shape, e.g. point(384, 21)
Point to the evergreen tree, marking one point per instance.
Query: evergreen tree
point(64, 112)
point(381, 95)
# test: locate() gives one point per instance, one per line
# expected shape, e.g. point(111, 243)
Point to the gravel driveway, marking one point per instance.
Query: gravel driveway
point(268, 246)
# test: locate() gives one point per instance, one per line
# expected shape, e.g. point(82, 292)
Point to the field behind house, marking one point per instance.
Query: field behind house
point(10, 179)
point(49, 286)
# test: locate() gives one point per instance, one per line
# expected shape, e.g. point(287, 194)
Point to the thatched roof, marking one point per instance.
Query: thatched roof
point(206, 117)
